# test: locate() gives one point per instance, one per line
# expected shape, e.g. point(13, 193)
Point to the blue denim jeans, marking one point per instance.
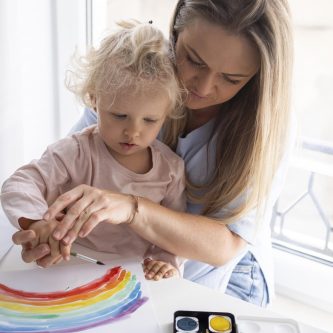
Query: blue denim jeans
point(247, 282)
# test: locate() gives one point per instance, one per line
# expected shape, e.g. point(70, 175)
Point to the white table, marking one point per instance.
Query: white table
point(175, 294)
point(179, 294)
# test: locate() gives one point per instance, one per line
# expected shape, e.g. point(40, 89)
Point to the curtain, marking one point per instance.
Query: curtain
point(37, 38)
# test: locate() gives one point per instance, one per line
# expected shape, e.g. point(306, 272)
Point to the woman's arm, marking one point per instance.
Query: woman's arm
point(190, 236)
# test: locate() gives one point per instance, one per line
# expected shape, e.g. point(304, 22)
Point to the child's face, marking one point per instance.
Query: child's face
point(129, 123)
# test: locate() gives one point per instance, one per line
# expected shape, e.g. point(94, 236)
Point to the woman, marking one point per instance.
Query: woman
point(234, 59)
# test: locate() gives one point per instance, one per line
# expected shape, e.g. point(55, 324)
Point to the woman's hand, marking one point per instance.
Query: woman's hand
point(156, 270)
point(85, 207)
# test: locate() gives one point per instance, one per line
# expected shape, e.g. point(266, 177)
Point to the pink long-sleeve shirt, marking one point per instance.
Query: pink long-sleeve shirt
point(83, 158)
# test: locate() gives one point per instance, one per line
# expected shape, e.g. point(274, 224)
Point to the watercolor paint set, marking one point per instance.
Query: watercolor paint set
point(225, 322)
point(204, 322)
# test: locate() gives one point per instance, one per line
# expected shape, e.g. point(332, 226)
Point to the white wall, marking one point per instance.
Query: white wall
point(37, 38)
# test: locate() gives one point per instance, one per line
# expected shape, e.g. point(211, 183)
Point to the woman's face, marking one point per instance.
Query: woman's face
point(213, 64)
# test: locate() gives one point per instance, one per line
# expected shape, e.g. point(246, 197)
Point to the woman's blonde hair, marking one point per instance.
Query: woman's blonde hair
point(134, 58)
point(253, 125)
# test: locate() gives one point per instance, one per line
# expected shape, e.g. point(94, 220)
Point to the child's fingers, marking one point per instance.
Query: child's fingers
point(32, 244)
point(36, 253)
point(54, 257)
point(47, 261)
point(43, 231)
point(148, 264)
point(166, 271)
point(65, 251)
point(57, 260)
point(161, 272)
point(54, 246)
point(23, 237)
point(155, 269)
point(28, 239)
point(151, 269)
point(170, 273)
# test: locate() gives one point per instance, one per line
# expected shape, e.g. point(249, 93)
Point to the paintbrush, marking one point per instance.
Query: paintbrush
point(83, 257)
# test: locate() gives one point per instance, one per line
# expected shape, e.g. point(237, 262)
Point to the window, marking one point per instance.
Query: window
point(302, 223)
point(37, 40)
point(304, 210)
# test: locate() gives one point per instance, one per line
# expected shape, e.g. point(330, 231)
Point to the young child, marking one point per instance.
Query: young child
point(130, 83)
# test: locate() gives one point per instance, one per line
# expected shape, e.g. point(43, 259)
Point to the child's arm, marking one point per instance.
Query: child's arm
point(27, 194)
point(36, 185)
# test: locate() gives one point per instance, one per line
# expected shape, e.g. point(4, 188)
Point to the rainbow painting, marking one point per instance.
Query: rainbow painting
point(103, 301)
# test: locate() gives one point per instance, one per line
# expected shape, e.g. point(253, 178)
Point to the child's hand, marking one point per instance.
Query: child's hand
point(156, 270)
point(43, 230)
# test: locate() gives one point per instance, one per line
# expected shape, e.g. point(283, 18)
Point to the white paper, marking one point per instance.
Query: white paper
point(6, 233)
point(67, 277)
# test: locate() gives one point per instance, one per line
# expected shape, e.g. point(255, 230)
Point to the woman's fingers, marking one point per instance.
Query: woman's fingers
point(78, 212)
point(94, 219)
point(73, 233)
point(65, 200)
point(79, 224)
point(86, 207)
point(84, 225)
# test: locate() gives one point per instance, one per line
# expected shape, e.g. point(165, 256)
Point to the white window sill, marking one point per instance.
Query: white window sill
point(304, 280)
